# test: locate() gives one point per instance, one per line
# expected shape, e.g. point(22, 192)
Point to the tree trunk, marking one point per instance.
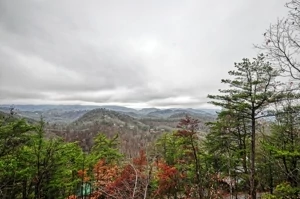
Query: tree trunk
point(197, 170)
point(24, 190)
point(252, 157)
point(271, 175)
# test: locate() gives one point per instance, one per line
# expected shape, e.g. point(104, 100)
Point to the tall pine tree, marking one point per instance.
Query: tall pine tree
point(251, 91)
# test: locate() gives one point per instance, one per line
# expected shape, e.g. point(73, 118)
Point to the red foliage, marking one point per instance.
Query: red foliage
point(104, 173)
point(72, 197)
point(187, 126)
point(83, 175)
point(141, 161)
point(114, 182)
point(131, 180)
point(167, 178)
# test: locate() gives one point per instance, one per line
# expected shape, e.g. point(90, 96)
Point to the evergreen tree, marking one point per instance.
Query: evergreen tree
point(251, 91)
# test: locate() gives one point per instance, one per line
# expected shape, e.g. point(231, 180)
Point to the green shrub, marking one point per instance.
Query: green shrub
point(283, 191)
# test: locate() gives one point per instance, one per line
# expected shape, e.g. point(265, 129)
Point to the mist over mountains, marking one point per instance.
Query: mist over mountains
point(70, 113)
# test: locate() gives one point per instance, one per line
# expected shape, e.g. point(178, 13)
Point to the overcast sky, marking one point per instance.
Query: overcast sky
point(136, 53)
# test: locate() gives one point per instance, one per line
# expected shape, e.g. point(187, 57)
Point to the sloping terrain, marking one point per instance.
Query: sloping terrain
point(108, 117)
point(136, 128)
point(55, 115)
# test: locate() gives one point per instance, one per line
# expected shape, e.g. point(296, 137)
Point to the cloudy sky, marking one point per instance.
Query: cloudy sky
point(137, 53)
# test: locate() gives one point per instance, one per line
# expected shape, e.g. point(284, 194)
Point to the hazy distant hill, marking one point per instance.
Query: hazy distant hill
point(209, 111)
point(118, 108)
point(133, 114)
point(60, 116)
point(145, 111)
point(5, 115)
point(180, 115)
point(108, 117)
point(66, 114)
point(161, 113)
point(175, 113)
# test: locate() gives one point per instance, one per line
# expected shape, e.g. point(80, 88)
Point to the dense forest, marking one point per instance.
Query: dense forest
point(251, 149)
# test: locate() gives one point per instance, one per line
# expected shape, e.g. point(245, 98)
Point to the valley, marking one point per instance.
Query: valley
point(136, 128)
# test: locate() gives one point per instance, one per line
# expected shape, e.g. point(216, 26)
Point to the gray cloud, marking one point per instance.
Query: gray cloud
point(139, 53)
point(23, 94)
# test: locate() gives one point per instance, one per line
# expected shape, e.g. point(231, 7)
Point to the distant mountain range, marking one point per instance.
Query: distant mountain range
point(83, 123)
point(72, 112)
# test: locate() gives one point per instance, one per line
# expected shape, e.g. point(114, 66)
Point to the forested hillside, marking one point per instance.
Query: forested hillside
point(247, 147)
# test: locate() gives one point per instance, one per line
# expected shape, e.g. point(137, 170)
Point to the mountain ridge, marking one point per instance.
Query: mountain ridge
point(63, 114)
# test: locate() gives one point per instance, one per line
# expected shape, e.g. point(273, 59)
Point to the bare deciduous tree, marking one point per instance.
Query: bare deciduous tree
point(282, 41)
